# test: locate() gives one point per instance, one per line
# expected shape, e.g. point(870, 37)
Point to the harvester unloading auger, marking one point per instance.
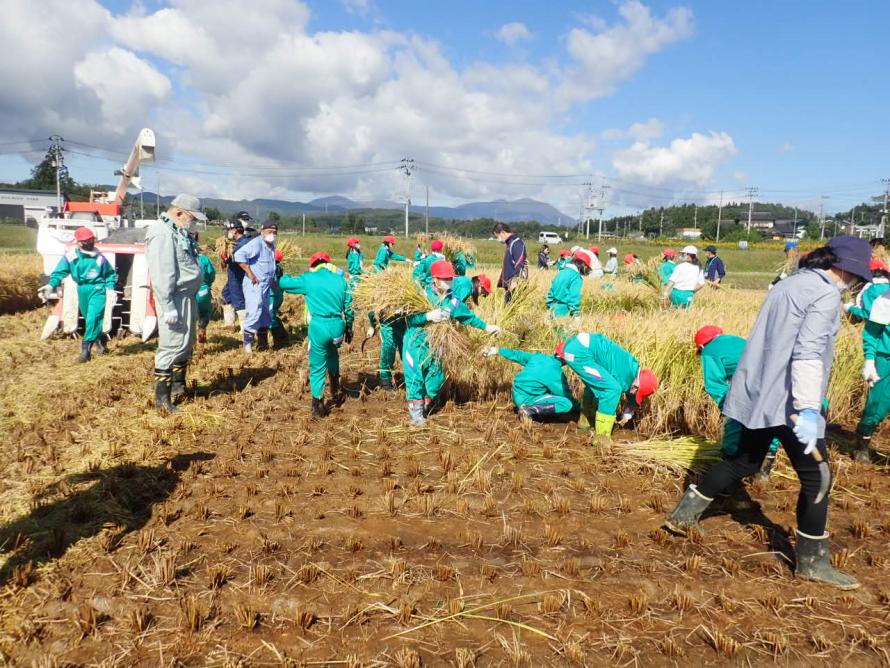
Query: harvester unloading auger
point(119, 240)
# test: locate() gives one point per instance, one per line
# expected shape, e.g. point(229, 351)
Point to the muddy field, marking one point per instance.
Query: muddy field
point(243, 533)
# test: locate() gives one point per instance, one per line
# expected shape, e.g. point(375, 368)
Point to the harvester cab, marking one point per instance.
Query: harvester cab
point(122, 243)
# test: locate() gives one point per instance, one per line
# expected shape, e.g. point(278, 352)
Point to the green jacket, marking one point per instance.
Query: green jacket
point(461, 263)
point(325, 293)
point(421, 272)
point(418, 255)
point(455, 308)
point(354, 262)
point(208, 272)
point(875, 337)
point(665, 269)
point(383, 257)
point(462, 287)
point(542, 375)
point(607, 354)
point(564, 297)
point(84, 269)
point(719, 360)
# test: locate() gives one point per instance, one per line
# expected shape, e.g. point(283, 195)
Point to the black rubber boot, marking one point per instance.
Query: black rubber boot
point(814, 563)
point(163, 383)
point(862, 453)
point(336, 392)
point(318, 409)
point(764, 473)
point(684, 518)
point(178, 384)
point(279, 336)
point(86, 351)
point(101, 346)
point(537, 411)
point(386, 384)
point(262, 339)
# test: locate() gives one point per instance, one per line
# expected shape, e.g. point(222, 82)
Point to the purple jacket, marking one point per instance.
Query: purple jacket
point(515, 260)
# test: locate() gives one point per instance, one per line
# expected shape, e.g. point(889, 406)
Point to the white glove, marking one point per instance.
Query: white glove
point(626, 417)
point(370, 332)
point(111, 297)
point(437, 315)
point(492, 329)
point(171, 317)
point(848, 306)
point(870, 373)
point(490, 352)
point(44, 292)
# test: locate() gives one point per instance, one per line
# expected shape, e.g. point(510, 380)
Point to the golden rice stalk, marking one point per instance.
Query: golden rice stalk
point(288, 248)
point(19, 282)
point(453, 244)
point(390, 292)
point(690, 453)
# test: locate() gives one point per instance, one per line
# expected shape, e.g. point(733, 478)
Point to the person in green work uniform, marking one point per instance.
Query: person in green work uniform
point(667, 266)
point(720, 354)
point(204, 297)
point(465, 287)
point(565, 256)
point(540, 391)
point(330, 324)
point(564, 296)
point(386, 254)
point(95, 279)
point(423, 370)
point(876, 370)
point(418, 253)
point(608, 372)
point(279, 333)
point(421, 272)
point(462, 262)
point(355, 261)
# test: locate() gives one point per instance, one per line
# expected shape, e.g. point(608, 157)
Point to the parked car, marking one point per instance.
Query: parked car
point(549, 238)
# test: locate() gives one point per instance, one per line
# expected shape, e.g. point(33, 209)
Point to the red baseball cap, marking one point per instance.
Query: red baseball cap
point(442, 269)
point(351, 241)
point(669, 252)
point(320, 256)
point(485, 283)
point(83, 234)
point(279, 256)
point(877, 265)
point(436, 245)
point(705, 335)
point(629, 258)
point(595, 250)
point(389, 239)
point(647, 383)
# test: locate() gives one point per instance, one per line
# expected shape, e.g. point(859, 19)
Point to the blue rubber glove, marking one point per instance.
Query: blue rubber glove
point(807, 428)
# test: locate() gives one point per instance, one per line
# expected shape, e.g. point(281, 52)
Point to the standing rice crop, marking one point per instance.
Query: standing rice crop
point(19, 283)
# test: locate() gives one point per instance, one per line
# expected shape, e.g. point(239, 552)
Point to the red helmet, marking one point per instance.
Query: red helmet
point(319, 257)
point(484, 283)
point(351, 241)
point(669, 252)
point(629, 258)
point(389, 239)
point(647, 383)
point(279, 256)
point(565, 253)
point(83, 234)
point(559, 351)
point(705, 335)
point(594, 249)
point(877, 265)
point(584, 255)
point(442, 269)
point(436, 245)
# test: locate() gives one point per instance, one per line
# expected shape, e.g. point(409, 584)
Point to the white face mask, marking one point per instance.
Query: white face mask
point(270, 238)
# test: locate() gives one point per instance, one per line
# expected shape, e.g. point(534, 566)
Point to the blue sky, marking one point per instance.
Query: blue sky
point(786, 96)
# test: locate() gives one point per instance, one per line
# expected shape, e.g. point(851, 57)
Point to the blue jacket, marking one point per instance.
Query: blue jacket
point(714, 269)
point(515, 260)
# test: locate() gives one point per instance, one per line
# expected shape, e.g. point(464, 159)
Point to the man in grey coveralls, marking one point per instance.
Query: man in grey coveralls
point(175, 274)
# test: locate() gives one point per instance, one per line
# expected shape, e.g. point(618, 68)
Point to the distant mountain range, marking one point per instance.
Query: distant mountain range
point(508, 211)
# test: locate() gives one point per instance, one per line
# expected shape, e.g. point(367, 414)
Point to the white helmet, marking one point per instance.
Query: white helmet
point(612, 251)
point(690, 250)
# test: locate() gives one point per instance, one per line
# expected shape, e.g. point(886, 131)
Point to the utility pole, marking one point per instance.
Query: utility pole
point(883, 225)
point(407, 168)
point(751, 190)
point(601, 208)
point(641, 222)
point(588, 207)
point(59, 164)
point(822, 217)
point(719, 215)
point(694, 217)
point(158, 198)
point(304, 223)
point(427, 221)
point(661, 225)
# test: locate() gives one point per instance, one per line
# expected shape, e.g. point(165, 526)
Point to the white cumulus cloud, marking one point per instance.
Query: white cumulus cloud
point(512, 33)
point(689, 160)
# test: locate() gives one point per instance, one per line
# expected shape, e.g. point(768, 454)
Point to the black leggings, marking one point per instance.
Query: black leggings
point(753, 445)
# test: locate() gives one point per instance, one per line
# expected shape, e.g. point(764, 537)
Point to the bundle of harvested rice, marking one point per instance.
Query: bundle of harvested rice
point(689, 453)
point(19, 283)
point(390, 292)
point(452, 245)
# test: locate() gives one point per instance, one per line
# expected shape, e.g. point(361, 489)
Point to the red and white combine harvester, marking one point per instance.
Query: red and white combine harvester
point(120, 241)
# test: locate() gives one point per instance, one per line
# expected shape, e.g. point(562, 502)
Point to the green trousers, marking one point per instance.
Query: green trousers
point(392, 338)
point(682, 298)
point(561, 404)
point(91, 302)
point(877, 405)
point(424, 376)
point(325, 337)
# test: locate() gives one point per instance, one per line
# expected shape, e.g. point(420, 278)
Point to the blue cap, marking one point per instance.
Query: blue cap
point(853, 255)
point(790, 245)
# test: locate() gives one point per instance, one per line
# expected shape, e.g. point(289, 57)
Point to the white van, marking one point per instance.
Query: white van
point(549, 238)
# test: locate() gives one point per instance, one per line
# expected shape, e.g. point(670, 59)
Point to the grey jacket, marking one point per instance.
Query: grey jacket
point(172, 264)
point(799, 320)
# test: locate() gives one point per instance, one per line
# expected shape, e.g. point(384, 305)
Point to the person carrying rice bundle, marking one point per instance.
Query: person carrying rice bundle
point(386, 254)
point(330, 324)
point(608, 372)
point(424, 376)
point(540, 391)
point(421, 272)
point(462, 262)
point(465, 287)
point(392, 329)
point(564, 296)
point(686, 279)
